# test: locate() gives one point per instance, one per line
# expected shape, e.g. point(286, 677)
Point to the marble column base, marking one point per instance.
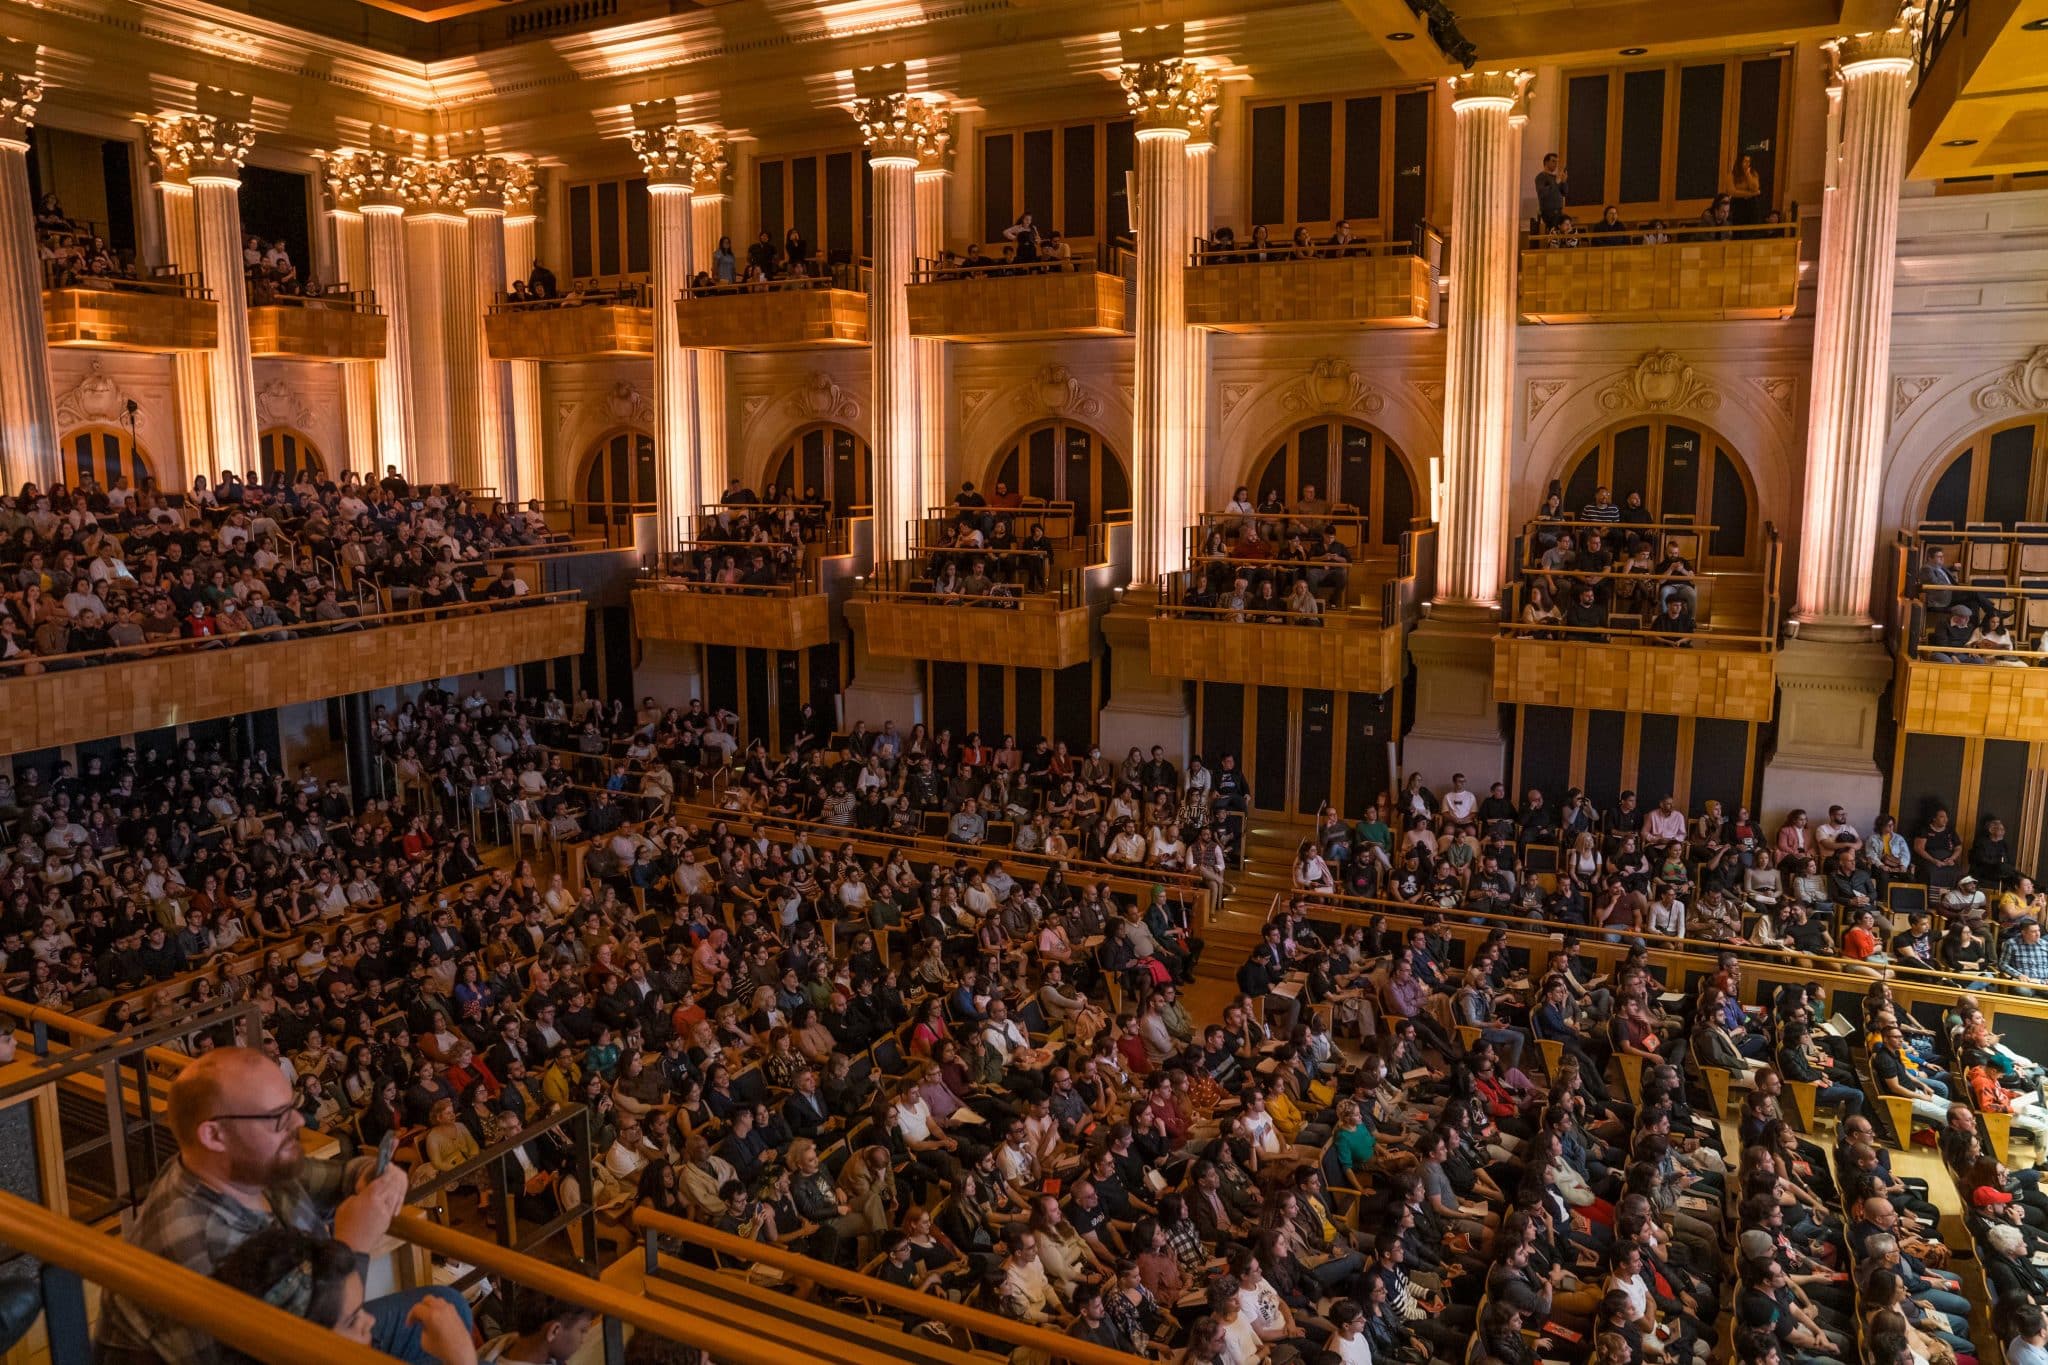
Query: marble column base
point(1457, 720)
point(1829, 697)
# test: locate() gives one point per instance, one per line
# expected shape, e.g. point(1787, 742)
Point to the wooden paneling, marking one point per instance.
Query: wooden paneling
point(47, 710)
point(130, 320)
point(316, 333)
point(1333, 658)
point(1357, 291)
point(1624, 677)
point(775, 621)
point(570, 333)
point(1036, 635)
point(1973, 700)
point(774, 320)
point(1756, 277)
point(1019, 307)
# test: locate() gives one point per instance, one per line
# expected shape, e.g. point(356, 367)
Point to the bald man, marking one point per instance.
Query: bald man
point(239, 1170)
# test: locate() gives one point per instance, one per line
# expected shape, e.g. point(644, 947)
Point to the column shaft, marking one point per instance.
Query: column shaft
point(462, 342)
point(1852, 352)
point(1201, 155)
point(192, 380)
point(675, 410)
point(28, 415)
point(432, 436)
point(929, 353)
point(1479, 347)
point(527, 436)
point(707, 225)
point(496, 466)
point(899, 483)
point(384, 245)
point(218, 211)
point(358, 378)
point(1159, 465)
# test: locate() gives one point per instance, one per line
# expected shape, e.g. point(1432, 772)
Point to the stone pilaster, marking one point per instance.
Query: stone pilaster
point(372, 185)
point(191, 371)
point(934, 184)
point(1201, 157)
point(28, 416)
point(437, 263)
point(708, 204)
point(487, 185)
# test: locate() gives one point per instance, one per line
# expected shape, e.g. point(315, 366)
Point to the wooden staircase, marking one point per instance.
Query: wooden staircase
point(1269, 845)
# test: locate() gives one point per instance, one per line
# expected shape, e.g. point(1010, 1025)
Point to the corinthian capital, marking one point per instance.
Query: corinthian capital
point(188, 147)
point(434, 187)
point(21, 90)
point(485, 182)
point(1170, 94)
point(677, 154)
point(905, 127)
point(358, 181)
point(1502, 89)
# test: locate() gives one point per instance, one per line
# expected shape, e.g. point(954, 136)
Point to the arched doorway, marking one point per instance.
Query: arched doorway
point(1685, 472)
point(1999, 475)
point(283, 451)
point(1064, 462)
point(1350, 465)
point(616, 474)
point(104, 454)
point(829, 459)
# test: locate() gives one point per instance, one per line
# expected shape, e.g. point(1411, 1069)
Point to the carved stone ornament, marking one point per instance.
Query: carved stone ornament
point(1432, 393)
point(2022, 388)
point(973, 400)
point(1332, 384)
point(1173, 94)
point(1233, 394)
point(905, 127)
point(1662, 381)
point(1054, 389)
point(626, 403)
point(1541, 391)
point(820, 399)
point(674, 154)
point(188, 146)
point(1907, 390)
point(1778, 389)
point(96, 400)
point(278, 405)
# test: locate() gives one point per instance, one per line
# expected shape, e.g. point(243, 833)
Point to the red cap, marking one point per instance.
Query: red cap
point(1988, 1196)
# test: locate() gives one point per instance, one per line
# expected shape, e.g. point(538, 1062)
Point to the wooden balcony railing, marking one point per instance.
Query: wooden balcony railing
point(337, 324)
point(1323, 285)
point(611, 316)
point(1972, 675)
point(169, 311)
point(1645, 273)
point(1087, 296)
point(793, 313)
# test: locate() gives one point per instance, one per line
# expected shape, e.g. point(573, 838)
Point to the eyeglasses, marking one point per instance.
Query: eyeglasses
point(278, 1119)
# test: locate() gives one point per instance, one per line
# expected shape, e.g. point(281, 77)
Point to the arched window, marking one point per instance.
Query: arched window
point(104, 454)
point(1064, 462)
point(283, 451)
point(829, 460)
point(1684, 472)
point(616, 474)
point(1353, 467)
point(2000, 475)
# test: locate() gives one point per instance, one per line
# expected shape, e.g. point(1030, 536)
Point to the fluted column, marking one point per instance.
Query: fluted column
point(1479, 341)
point(708, 202)
point(191, 379)
point(433, 243)
point(929, 353)
point(527, 435)
point(1201, 156)
point(358, 377)
point(28, 418)
point(372, 183)
point(901, 132)
point(489, 181)
point(1169, 99)
point(671, 154)
point(1852, 331)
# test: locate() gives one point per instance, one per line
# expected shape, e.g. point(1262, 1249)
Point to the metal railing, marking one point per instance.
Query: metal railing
point(1701, 586)
point(1206, 252)
point(336, 297)
point(162, 282)
point(601, 291)
point(1654, 233)
point(707, 558)
point(2021, 604)
point(1060, 519)
point(847, 275)
point(917, 578)
point(1102, 258)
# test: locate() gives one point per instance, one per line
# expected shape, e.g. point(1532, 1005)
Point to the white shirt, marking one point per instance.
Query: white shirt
point(1356, 1351)
point(915, 1121)
point(1461, 804)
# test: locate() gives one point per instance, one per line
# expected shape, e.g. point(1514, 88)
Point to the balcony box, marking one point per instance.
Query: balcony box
point(1972, 700)
point(773, 319)
point(1692, 277)
point(1722, 683)
point(317, 332)
point(1381, 290)
point(137, 318)
point(1036, 634)
point(705, 616)
point(1335, 657)
point(1037, 306)
point(584, 332)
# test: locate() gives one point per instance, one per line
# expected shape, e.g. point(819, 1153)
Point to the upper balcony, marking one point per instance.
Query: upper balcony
point(1969, 656)
point(1014, 608)
point(790, 314)
point(1654, 273)
point(1314, 287)
point(169, 311)
point(1042, 301)
point(753, 596)
point(1671, 640)
point(596, 318)
point(1331, 618)
point(50, 701)
point(339, 324)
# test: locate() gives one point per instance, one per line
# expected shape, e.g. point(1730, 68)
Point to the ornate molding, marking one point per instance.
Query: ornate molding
point(1779, 389)
point(20, 93)
point(434, 187)
point(1541, 391)
point(677, 154)
point(1501, 89)
point(1171, 94)
point(1332, 384)
point(1907, 389)
point(750, 407)
point(973, 401)
point(497, 184)
point(2022, 388)
point(627, 404)
point(1231, 395)
point(204, 146)
point(1431, 391)
point(905, 127)
point(1662, 381)
point(820, 399)
point(357, 180)
point(279, 405)
point(96, 400)
point(1055, 390)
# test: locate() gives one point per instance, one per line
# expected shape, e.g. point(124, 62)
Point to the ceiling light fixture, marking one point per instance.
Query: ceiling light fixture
point(1634, 51)
point(1960, 142)
point(1401, 37)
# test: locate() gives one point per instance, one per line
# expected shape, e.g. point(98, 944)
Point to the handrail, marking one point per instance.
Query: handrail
point(1575, 523)
point(1099, 261)
point(936, 1306)
point(247, 1324)
point(26, 663)
point(185, 285)
point(840, 275)
point(1278, 253)
point(1591, 235)
point(647, 1315)
point(336, 298)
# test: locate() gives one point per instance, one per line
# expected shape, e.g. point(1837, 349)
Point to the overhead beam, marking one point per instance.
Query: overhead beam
point(1416, 56)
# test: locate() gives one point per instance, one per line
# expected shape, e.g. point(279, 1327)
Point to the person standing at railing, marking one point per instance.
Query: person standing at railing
point(1024, 236)
point(240, 1170)
point(725, 266)
point(1551, 183)
point(1745, 193)
point(540, 283)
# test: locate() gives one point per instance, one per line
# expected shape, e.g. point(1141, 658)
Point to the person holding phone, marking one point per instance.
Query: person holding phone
point(241, 1171)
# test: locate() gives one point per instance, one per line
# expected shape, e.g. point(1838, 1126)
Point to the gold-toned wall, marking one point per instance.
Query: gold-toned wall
point(130, 320)
point(1034, 636)
point(1627, 677)
point(570, 333)
point(1971, 700)
point(1678, 281)
point(1337, 657)
point(773, 320)
point(1016, 307)
point(771, 621)
point(316, 333)
point(1357, 291)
